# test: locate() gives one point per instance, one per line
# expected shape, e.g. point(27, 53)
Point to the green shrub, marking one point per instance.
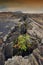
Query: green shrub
point(22, 42)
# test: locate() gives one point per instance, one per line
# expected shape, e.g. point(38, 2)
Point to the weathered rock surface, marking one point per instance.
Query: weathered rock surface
point(2, 57)
point(33, 59)
point(8, 50)
point(36, 32)
point(35, 29)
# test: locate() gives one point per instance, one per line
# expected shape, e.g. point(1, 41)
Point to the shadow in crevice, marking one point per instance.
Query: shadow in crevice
point(22, 53)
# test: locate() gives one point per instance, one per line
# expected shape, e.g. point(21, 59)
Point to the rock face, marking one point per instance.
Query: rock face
point(23, 29)
point(35, 58)
point(2, 57)
point(34, 29)
point(8, 50)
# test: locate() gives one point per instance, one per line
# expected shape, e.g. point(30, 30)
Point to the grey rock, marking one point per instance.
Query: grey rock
point(2, 49)
point(33, 59)
point(8, 50)
point(42, 41)
point(23, 29)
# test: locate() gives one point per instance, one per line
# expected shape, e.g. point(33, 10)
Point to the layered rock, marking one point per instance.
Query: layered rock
point(34, 29)
point(33, 59)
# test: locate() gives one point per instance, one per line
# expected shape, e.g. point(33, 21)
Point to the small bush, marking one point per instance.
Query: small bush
point(22, 42)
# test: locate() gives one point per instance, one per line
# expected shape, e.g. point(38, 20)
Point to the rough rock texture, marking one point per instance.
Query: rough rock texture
point(2, 57)
point(36, 32)
point(35, 58)
point(35, 29)
point(8, 50)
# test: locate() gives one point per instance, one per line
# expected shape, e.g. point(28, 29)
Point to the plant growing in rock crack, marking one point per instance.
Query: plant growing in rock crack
point(23, 42)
